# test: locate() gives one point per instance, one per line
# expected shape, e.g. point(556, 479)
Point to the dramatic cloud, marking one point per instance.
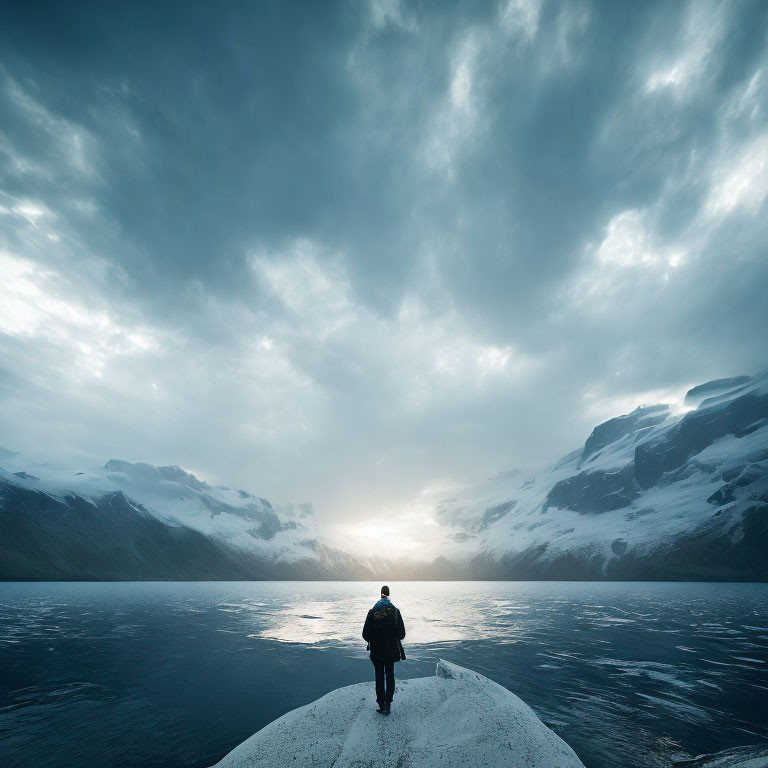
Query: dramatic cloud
point(364, 254)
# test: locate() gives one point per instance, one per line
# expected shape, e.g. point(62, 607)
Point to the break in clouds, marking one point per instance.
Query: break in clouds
point(361, 254)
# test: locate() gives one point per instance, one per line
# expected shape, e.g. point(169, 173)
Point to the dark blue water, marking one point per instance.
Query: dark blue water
point(177, 674)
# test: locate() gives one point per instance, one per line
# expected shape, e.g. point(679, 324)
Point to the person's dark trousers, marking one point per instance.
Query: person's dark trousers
point(382, 668)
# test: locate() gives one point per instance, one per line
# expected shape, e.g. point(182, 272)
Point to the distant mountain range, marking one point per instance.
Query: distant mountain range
point(653, 494)
point(136, 521)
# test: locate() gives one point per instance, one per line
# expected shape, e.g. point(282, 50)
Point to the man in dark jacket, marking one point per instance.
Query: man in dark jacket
point(383, 630)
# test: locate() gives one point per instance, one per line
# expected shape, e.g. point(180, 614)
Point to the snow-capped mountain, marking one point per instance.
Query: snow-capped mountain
point(133, 520)
point(653, 494)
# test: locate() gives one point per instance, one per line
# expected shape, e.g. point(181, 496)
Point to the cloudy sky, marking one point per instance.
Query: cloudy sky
point(361, 253)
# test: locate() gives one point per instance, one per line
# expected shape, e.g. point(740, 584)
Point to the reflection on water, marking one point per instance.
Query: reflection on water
point(435, 613)
point(178, 674)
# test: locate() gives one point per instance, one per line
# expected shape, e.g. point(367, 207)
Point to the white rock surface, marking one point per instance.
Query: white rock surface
point(456, 719)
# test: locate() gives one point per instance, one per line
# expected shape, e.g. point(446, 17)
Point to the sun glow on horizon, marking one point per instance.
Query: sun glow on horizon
point(410, 531)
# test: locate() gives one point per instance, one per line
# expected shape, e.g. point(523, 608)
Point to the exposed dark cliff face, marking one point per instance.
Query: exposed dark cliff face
point(753, 478)
point(668, 453)
point(594, 492)
point(113, 538)
point(693, 433)
point(614, 429)
point(495, 513)
point(47, 538)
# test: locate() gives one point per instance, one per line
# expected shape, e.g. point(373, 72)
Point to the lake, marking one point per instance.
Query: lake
point(177, 674)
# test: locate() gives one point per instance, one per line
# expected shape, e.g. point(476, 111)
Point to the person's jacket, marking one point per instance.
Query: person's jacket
point(383, 630)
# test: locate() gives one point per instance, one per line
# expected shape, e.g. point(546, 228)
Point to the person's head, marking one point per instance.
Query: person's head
point(385, 591)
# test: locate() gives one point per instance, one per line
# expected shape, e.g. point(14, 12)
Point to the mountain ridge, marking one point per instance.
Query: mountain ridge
point(652, 494)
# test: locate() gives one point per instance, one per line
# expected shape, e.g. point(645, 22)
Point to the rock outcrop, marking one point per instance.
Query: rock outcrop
point(455, 719)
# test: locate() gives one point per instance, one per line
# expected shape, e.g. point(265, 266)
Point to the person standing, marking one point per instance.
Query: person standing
point(383, 631)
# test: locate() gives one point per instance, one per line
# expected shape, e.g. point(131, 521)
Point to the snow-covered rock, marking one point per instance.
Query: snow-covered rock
point(655, 494)
point(457, 718)
point(128, 520)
